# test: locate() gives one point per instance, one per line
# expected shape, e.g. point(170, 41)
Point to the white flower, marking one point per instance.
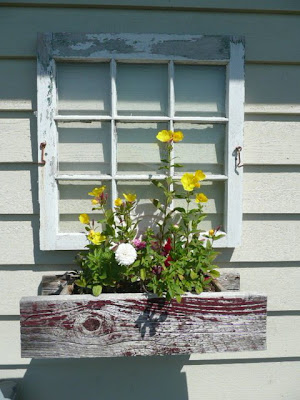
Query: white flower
point(125, 254)
point(205, 236)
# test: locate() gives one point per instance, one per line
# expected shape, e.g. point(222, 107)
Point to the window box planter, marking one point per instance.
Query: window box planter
point(135, 324)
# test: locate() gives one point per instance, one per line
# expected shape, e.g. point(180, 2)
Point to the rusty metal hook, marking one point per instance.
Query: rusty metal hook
point(238, 163)
point(42, 148)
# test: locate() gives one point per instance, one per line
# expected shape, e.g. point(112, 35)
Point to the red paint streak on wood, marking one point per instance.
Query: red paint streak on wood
point(131, 326)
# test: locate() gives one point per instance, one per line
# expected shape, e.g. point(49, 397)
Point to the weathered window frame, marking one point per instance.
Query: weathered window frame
point(203, 50)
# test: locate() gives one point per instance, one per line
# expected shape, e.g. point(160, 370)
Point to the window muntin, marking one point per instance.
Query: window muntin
point(110, 135)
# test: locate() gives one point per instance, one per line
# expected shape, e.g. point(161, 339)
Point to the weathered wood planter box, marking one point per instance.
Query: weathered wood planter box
point(135, 324)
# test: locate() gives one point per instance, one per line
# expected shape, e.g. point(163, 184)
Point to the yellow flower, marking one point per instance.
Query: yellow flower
point(211, 232)
point(164, 136)
point(96, 237)
point(201, 198)
point(191, 181)
point(97, 191)
point(178, 136)
point(95, 201)
point(130, 197)
point(168, 136)
point(118, 202)
point(84, 218)
point(200, 175)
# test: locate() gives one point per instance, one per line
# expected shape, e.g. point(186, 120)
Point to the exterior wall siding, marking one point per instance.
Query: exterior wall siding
point(268, 259)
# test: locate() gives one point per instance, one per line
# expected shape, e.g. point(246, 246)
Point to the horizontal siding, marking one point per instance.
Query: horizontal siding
point(18, 137)
point(20, 25)
point(270, 89)
point(18, 85)
point(263, 139)
point(271, 142)
point(259, 234)
point(281, 342)
point(231, 5)
point(18, 191)
point(269, 380)
point(273, 281)
point(239, 381)
point(271, 190)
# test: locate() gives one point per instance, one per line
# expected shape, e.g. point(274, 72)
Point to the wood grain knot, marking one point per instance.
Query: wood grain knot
point(91, 324)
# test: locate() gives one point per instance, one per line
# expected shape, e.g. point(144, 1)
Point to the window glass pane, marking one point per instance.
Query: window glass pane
point(202, 148)
point(74, 200)
point(145, 191)
point(83, 88)
point(138, 149)
point(142, 89)
point(84, 148)
point(200, 90)
point(214, 207)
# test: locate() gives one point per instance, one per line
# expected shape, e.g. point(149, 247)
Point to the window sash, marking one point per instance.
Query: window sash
point(191, 49)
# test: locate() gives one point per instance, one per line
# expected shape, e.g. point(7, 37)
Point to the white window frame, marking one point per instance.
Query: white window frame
point(159, 48)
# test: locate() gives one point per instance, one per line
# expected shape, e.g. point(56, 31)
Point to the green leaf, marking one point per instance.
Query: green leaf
point(178, 165)
point(178, 298)
point(81, 282)
point(156, 203)
point(193, 274)
point(218, 237)
point(157, 183)
point(143, 274)
point(179, 209)
point(97, 290)
point(214, 273)
point(198, 289)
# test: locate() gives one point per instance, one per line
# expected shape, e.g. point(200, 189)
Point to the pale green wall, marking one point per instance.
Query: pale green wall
point(268, 259)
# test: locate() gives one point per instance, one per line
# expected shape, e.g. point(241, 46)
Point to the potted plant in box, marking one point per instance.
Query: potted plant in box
point(166, 268)
point(170, 260)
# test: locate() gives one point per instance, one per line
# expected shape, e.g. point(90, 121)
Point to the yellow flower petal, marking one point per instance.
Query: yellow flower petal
point(118, 202)
point(97, 191)
point(84, 218)
point(164, 136)
point(95, 201)
point(130, 197)
point(191, 181)
point(96, 237)
point(188, 181)
point(201, 198)
point(200, 176)
point(177, 136)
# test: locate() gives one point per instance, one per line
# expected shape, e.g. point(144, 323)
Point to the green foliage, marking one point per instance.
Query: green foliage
point(174, 259)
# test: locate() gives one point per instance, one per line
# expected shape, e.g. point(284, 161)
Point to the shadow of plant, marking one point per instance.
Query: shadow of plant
point(152, 316)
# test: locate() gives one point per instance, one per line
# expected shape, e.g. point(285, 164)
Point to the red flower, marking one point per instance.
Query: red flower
point(167, 263)
point(167, 247)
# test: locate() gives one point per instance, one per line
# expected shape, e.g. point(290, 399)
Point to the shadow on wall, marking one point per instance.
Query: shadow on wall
point(126, 378)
